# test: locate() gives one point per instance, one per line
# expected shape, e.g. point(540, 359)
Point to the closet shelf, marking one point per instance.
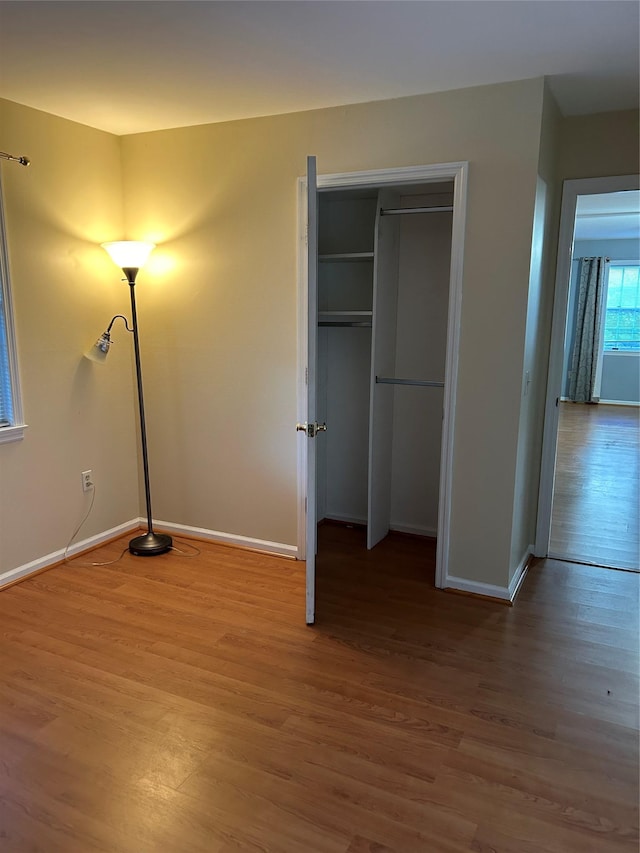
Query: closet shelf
point(348, 257)
point(326, 315)
point(346, 323)
point(345, 318)
point(427, 383)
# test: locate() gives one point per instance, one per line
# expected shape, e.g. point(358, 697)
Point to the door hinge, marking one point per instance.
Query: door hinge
point(306, 376)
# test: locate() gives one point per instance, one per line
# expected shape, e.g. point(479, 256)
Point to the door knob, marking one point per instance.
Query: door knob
point(311, 429)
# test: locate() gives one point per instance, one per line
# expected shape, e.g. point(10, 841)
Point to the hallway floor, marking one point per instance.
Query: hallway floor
point(596, 504)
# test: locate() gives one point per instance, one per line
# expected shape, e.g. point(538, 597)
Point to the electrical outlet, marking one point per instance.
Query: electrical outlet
point(87, 480)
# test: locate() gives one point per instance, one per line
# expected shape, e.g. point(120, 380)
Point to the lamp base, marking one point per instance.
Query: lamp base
point(150, 544)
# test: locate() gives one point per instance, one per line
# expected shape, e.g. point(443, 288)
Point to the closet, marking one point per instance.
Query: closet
point(383, 292)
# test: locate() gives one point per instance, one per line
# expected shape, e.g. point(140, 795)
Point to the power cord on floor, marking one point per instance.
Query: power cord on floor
point(109, 562)
point(195, 551)
point(173, 548)
point(77, 530)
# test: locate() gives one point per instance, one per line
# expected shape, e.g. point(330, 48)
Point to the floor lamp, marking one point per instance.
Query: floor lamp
point(130, 256)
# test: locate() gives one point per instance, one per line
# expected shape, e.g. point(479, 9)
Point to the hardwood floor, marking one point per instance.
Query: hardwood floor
point(177, 705)
point(596, 504)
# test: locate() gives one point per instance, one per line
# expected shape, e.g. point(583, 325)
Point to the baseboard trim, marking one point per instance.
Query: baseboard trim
point(520, 573)
point(425, 532)
point(503, 594)
point(478, 589)
point(57, 557)
point(345, 519)
point(238, 541)
point(607, 402)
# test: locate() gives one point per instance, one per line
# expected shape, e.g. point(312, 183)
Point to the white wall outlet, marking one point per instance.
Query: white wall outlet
point(87, 480)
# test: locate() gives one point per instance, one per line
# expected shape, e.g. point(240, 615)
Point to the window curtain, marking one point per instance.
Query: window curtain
point(6, 414)
point(586, 362)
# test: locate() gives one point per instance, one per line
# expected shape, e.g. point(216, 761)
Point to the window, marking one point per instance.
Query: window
point(11, 426)
point(6, 397)
point(622, 313)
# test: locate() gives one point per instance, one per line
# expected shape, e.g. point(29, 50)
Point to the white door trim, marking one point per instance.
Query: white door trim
point(457, 172)
point(570, 192)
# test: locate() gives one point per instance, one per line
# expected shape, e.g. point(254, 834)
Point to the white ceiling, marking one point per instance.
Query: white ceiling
point(608, 216)
point(137, 66)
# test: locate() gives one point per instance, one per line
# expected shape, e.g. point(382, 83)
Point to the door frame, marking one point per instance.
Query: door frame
point(571, 189)
point(458, 172)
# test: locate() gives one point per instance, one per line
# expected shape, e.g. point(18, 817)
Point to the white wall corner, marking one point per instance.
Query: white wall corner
point(520, 572)
point(54, 557)
point(488, 590)
point(20, 572)
point(264, 545)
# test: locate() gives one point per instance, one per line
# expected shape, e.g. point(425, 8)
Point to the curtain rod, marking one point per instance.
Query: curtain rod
point(24, 161)
point(591, 257)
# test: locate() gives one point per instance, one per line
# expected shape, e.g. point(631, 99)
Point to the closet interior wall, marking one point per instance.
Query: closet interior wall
point(418, 274)
point(421, 346)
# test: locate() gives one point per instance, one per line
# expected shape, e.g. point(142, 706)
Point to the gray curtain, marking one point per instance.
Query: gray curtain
point(586, 364)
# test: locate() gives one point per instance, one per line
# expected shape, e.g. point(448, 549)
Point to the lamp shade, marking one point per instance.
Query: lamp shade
point(100, 349)
point(129, 253)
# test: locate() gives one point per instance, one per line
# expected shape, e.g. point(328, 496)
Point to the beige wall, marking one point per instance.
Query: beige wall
point(575, 147)
point(218, 307)
point(65, 291)
point(537, 337)
point(600, 145)
point(220, 328)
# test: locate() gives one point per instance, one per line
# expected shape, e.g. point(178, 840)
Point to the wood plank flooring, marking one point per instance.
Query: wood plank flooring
point(180, 705)
point(596, 503)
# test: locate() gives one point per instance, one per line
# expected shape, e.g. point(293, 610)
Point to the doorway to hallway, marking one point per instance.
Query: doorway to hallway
point(589, 485)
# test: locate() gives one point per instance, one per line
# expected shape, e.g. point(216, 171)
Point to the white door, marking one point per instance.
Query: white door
point(309, 428)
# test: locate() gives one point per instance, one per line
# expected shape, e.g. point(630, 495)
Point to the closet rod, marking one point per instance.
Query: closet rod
point(394, 211)
point(425, 382)
point(337, 323)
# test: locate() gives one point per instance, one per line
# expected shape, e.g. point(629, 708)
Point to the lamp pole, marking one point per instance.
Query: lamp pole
point(130, 255)
point(150, 543)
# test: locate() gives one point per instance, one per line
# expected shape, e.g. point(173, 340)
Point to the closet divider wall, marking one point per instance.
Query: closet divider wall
point(383, 363)
point(383, 280)
point(423, 281)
